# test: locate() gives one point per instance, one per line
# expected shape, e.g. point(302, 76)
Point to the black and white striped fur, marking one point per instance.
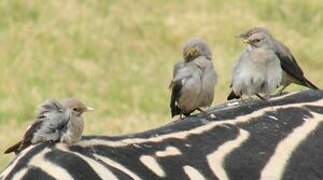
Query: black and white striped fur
point(256, 140)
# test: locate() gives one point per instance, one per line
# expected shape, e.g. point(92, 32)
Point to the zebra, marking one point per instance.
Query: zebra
point(280, 139)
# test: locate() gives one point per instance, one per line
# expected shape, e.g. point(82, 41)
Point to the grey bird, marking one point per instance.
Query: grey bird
point(194, 79)
point(292, 72)
point(55, 122)
point(258, 70)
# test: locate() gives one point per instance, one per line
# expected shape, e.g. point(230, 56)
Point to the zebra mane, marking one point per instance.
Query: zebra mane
point(279, 139)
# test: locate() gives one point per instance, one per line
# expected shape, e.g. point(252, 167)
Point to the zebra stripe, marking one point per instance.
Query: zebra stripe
point(216, 158)
point(255, 140)
point(193, 173)
point(275, 167)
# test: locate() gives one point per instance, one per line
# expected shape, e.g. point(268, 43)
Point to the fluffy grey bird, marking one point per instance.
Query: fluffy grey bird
point(258, 70)
point(194, 80)
point(292, 72)
point(55, 122)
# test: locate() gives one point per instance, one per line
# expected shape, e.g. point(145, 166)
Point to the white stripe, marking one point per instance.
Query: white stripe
point(216, 159)
point(98, 168)
point(199, 130)
point(50, 168)
point(6, 172)
point(192, 173)
point(275, 167)
point(116, 165)
point(20, 174)
point(153, 165)
point(169, 151)
point(283, 96)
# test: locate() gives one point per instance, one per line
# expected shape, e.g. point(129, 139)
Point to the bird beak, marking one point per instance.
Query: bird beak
point(246, 41)
point(88, 108)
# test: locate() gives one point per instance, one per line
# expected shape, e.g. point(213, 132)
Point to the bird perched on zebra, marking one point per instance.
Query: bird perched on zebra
point(194, 79)
point(258, 70)
point(292, 72)
point(55, 122)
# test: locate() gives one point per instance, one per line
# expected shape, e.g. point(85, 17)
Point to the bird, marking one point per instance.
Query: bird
point(194, 79)
point(292, 72)
point(258, 70)
point(55, 122)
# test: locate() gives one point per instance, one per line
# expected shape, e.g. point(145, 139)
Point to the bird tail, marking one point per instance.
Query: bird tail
point(14, 148)
point(310, 84)
point(176, 89)
point(233, 96)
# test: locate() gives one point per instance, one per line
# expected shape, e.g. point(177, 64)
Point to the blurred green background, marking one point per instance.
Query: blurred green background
point(117, 55)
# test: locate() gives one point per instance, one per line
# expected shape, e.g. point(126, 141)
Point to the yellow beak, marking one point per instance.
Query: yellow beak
point(88, 108)
point(246, 41)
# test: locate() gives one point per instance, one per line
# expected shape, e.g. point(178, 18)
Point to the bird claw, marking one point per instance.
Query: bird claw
point(212, 116)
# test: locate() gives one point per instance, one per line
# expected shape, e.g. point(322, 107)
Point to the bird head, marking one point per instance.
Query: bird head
point(195, 48)
point(76, 106)
point(190, 54)
point(257, 37)
point(252, 31)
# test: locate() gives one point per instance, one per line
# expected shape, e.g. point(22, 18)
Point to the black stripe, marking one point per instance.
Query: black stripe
point(247, 161)
point(89, 152)
point(306, 161)
point(73, 164)
point(35, 173)
point(193, 150)
point(222, 112)
point(22, 163)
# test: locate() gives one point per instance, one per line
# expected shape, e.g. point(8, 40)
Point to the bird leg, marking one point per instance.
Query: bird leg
point(266, 99)
point(241, 98)
point(262, 98)
point(280, 92)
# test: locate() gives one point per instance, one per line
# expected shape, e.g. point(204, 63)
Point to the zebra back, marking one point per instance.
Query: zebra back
point(280, 139)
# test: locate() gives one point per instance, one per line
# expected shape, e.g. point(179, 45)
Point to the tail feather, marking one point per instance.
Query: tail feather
point(176, 93)
point(310, 84)
point(14, 148)
point(232, 95)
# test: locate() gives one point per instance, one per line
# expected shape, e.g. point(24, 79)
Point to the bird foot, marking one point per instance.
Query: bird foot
point(212, 116)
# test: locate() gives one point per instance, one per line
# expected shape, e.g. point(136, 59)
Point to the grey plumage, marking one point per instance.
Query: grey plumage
point(292, 72)
point(258, 70)
point(55, 122)
point(194, 79)
point(73, 130)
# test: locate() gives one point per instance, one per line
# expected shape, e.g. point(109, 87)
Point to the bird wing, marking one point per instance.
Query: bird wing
point(26, 141)
point(290, 65)
point(186, 83)
point(52, 117)
point(175, 87)
point(176, 68)
point(180, 73)
point(288, 61)
point(208, 78)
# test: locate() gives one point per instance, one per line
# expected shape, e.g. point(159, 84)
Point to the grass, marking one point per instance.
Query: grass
point(117, 55)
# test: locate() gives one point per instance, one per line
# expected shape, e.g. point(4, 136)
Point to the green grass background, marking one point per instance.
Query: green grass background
point(117, 55)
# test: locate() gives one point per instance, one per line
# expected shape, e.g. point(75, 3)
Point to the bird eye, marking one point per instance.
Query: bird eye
point(75, 109)
point(256, 40)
